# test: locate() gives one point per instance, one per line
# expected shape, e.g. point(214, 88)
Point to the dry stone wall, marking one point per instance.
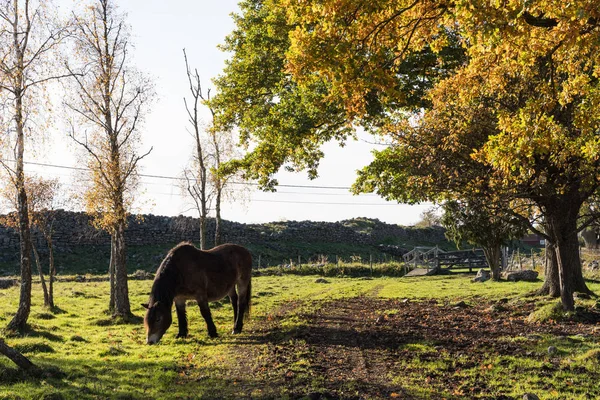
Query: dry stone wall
point(75, 229)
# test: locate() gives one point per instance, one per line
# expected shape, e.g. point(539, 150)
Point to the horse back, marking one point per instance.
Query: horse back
point(212, 273)
point(236, 257)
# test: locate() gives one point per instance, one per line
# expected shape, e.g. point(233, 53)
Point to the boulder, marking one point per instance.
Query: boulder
point(6, 283)
point(482, 276)
point(524, 275)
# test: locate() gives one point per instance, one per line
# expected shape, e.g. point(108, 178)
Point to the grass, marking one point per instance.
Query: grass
point(86, 358)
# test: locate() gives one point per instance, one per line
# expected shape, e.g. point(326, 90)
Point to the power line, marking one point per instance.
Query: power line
point(175, 178)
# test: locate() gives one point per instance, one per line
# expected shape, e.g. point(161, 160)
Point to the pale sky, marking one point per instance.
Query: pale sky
point(161, 29)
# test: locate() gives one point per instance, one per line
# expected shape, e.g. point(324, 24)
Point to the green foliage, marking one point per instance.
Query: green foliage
point(480, 223)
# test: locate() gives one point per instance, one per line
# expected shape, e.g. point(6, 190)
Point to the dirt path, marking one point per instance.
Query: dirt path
point(365, 348)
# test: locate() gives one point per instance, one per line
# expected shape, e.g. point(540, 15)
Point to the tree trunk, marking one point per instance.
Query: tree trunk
point(203, 230)
point(561, 217)
point(551, 285)
point(51, 271)
point(492, 255)
point(16, 357)
point(218, 217)
point(20, 319)
point(111, 275)
point(122, 307)
point(41, 274)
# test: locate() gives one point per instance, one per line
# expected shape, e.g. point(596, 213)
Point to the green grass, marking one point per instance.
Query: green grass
point(85, 358)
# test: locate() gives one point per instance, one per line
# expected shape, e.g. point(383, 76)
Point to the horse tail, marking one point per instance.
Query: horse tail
point(248, 300)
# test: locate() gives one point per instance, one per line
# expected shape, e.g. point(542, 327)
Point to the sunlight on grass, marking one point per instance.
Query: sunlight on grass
point(95, 359)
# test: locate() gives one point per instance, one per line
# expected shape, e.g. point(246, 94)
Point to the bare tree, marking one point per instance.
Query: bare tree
point(29, 37)
point(197, 177)
point(111, 101)
point(206, 182)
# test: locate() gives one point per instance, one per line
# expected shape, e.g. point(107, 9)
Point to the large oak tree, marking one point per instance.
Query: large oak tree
point(513, 118)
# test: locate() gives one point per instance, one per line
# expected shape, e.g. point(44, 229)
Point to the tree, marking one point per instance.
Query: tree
point(29, 37)
point(526, 92)
point(482, 224)
point(196, 178)
point(41, 197)
point(16, 357)
point(206, 181)
point(429, 218)
point(111, 101)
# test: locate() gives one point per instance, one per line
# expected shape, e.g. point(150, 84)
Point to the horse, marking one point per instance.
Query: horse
point(190, 273)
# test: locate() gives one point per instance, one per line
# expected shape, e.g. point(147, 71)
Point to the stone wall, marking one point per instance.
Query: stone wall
point(75, 229)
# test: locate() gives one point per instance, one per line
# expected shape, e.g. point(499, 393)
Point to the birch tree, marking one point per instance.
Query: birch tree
point(29, 39)
point(111, 101)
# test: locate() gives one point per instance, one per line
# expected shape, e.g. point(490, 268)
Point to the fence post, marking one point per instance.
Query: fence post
point(259, 261)
point(299, 263)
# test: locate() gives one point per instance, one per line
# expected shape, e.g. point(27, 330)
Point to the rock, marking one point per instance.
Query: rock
point(7, 283)
point(460, 304)
point(594, 264)
point(552, 350)
point(530, 396)
point(141, 275)
point(321, 280)
point(524, 275)
point(482, 276)
point(496, 308)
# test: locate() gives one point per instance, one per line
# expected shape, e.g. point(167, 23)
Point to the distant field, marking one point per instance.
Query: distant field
point(348, 338)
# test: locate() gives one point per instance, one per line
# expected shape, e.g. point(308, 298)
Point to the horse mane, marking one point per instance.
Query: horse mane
point(167, 277)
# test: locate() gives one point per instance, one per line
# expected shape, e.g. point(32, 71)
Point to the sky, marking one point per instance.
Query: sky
point(160, 31)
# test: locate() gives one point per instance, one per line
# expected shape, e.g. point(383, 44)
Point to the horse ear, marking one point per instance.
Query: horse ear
point(145, 306)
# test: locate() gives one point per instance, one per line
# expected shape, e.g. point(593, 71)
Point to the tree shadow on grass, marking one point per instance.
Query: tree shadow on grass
point(33, 331)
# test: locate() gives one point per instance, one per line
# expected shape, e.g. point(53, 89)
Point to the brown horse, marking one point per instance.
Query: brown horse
point(189, 273)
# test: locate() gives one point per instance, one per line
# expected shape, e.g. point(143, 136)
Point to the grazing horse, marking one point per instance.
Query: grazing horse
point(189, 273)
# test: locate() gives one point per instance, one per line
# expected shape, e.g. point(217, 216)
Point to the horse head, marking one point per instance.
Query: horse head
point(157, 320)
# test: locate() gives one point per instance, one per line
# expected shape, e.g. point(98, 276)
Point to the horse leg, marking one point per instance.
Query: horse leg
point(242, 304)
point(233, 297)
point(205, 311)
point(182, 318)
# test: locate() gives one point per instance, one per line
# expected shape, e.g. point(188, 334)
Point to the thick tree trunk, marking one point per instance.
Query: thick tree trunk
point(492, 255)
point(16, 357)
point(38, 264)
point(122, 307)
point(551, 286)
point(562, 223)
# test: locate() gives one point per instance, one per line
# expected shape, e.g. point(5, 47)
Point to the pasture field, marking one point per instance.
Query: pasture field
point(350, 338)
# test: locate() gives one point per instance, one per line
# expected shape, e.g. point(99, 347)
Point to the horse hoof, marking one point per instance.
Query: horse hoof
point(213, 335)
point(236, 331)
point(181, 336)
